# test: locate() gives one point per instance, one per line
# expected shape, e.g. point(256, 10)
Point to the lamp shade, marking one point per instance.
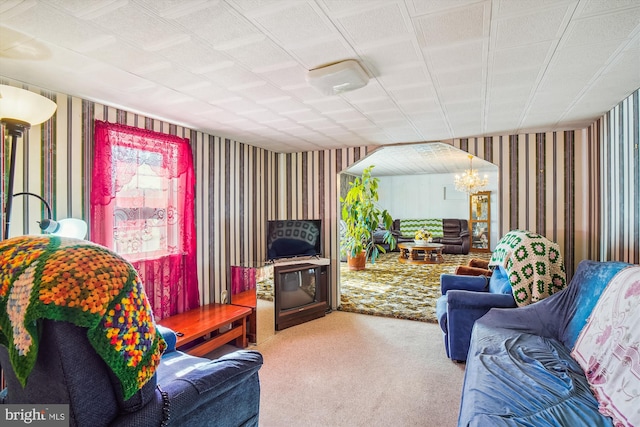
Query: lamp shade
point(24, 106)
point(71, 227)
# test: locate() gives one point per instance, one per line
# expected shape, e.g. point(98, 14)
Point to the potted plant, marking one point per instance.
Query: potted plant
point(362, 217)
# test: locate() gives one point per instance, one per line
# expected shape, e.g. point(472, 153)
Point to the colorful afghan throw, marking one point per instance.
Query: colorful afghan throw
point(49, 277)
point(533, 263)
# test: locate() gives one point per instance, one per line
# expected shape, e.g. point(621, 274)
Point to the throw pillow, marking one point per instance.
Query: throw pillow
point(608, 349)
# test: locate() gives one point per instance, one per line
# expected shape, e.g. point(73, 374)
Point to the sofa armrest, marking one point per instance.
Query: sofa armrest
point(464, 308)
point(465, 300)
point(464, 232)
point(459, 282)
point(197, 391)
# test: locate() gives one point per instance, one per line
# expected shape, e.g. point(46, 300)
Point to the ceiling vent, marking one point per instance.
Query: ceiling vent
point(338, 78)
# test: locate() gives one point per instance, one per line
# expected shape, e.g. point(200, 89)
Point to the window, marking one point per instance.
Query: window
point(142, 207)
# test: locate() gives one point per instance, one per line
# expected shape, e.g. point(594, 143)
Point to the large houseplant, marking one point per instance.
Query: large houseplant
point(362, 217)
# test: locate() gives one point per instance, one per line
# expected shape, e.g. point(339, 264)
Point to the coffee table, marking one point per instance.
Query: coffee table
point(426, 253)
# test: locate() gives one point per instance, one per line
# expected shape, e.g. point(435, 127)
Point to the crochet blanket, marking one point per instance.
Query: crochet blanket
point(533, 263)
point(49, 277)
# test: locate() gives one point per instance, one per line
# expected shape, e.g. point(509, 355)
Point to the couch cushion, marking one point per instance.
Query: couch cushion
point(608, 348)
point(518, 379)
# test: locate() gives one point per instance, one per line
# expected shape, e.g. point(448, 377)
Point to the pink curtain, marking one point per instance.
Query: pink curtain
point(121, 153)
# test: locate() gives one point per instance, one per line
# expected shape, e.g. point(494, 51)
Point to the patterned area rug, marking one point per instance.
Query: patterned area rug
point(390, 289)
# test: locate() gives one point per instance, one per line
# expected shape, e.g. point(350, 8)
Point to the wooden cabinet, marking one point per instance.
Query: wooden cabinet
point(480, 221)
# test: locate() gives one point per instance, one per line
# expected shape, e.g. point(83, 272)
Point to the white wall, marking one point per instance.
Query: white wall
point(432, 196)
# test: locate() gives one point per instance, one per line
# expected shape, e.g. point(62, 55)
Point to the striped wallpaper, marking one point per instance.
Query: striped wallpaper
point(579, 188)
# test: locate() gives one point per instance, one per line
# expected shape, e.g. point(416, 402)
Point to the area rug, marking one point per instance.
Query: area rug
point(389, 288)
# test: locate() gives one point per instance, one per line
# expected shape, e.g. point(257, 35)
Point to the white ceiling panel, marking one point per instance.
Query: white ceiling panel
point(438, 69)
point(451, 27)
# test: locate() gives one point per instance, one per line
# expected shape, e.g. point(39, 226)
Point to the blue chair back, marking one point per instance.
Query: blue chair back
point(499, 282)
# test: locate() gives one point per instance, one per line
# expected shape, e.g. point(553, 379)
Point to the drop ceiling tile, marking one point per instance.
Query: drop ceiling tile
point(534, 27)
point(593, 7)
point(507, 8)
point(220, 26)
point(454, 94)
point(451, 27)
point(601, 28)
point(47, 23)
point(294, 24)
point(171, 9)
point(321, 52)
point(144, 30)
point(344, 116)
point(404, 76)
point(233, 76)
point(196, 56)
point(457, 56)
point(412, 92)
point(421, 7)
point(88, 10)
point(174, 78)
point(340, 7)
point(383, 59)
point(329, 105)
point(460, 77)
point(126, 56)
point(290, 76)
point(385, 115)
point(302, 115)
point(375, 104)
point(380, 24)
point(625, 63)
point(264, 53)
point(531, 55)
point(260, 91)
point(520, 78)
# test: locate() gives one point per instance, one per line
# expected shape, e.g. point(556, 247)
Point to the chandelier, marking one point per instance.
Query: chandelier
point(470, 182)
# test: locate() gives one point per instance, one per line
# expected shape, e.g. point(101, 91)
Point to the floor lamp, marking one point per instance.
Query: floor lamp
point(19, 110)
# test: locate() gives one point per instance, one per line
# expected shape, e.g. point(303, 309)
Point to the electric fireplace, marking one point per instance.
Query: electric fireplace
point(300, 293)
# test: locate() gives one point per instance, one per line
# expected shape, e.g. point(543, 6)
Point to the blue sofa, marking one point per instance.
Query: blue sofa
point(520, 371)
point(464, 300)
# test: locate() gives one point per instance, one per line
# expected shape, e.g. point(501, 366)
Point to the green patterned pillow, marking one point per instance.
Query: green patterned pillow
point(408, 227)
point(435, 227)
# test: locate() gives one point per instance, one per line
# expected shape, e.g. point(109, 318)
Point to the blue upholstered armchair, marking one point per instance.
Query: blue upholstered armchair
point(186, 390)
point(464, 300)
point(76, 329)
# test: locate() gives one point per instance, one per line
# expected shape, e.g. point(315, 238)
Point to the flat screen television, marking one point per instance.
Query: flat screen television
point(294, 238)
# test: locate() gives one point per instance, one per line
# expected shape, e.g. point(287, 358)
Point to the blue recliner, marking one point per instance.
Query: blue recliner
point(464, 300)
point(76, 329)
point(186, 390)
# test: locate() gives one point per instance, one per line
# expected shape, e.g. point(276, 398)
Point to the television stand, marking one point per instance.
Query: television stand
point(203, 325)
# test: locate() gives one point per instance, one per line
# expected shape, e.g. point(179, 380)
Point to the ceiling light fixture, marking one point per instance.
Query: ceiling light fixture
point(339, 77)
point(470, 182)
point(19, 110)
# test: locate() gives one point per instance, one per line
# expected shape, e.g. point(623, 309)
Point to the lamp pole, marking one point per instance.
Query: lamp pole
point(15, 128)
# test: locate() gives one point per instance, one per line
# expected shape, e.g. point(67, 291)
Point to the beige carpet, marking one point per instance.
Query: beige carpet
point(348, 369)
